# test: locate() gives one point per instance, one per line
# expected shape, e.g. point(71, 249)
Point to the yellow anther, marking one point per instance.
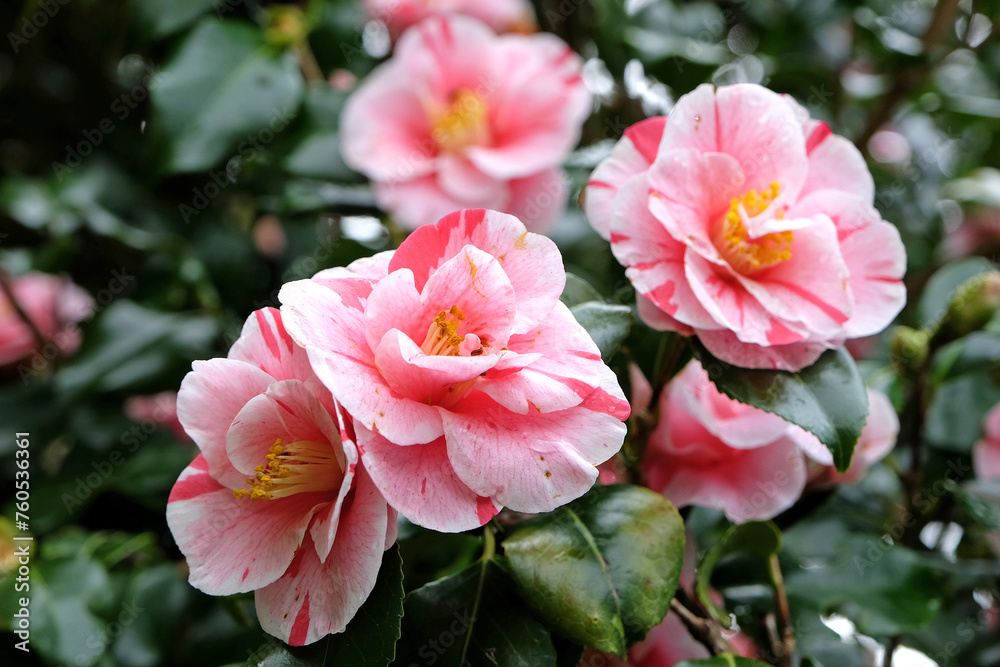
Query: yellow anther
point(462, 123)
point(748, 255)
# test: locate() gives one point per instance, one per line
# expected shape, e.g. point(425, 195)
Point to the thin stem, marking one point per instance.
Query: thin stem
point(307, 61)
point(890, 649)
point(785, 650)
point(705, 630)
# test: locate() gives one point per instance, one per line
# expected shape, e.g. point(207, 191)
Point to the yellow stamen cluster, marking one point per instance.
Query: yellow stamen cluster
point(746, 254)
point(301, 466)
point(462, 123)
point(442, 335)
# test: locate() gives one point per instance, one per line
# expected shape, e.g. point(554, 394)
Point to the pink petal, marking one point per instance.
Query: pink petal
point(732, 306)
point(235, 545)
point(539, 199)
point(313, 599)
point(654, 317)
point(342, 359)
point(375, 267)
point(420, 482)
point(794, 291)
point(654, 259)
point(529, 463)
point(463, 181)
point(748, 122)
point(791, 357)
point(537, 103)
point(426, 379)
point(209, 399)
point(423, 200)
point(690, 191)
point(265, 343)
point(566, 372)
point(531, 261)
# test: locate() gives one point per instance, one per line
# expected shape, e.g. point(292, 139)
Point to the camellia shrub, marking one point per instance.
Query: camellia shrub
point(500, 334)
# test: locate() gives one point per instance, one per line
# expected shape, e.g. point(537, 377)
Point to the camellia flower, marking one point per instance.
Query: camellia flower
point(743, 221)
point(877, 439)
point(54, 306)
point(470, 384)
point(986, 453)
point(713, 451)
point(276, 502)
point(461, 118)
point(500, 15)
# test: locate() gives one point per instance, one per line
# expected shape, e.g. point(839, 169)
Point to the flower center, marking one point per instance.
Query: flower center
point(298, 467)
point(461, 123)
point(443, 338)
point(744, 253)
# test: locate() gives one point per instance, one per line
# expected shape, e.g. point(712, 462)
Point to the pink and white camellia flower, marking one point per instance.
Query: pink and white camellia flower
point(277, 501)
point(500, 15)
point(986, 453)
point(53, 304)
point(713, 451)
point(744, 222)
point(461, 118)
point(471, 385)
point(877, 439)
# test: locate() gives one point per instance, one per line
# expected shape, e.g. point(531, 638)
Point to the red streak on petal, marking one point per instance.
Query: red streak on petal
point(564, 56)
point(193, 486)
point(200, 463)
point(301, 626)
point(423, 486)
point(645, 136)
point(618, 238)
point(246, 573)
point(265, 330)
point(817, 137)
point(600, 184)
point(603, 402)
point(485, 509)
point(779, 334)
point(583, 354)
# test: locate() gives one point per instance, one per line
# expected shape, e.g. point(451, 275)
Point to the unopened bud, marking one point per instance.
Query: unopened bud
point(974, 304)
point(909, 347)
point(286, 26)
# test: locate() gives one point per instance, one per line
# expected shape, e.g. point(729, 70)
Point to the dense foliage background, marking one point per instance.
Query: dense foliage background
point(178, 161)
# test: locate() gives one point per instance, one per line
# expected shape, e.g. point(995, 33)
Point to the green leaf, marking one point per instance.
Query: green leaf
point(602, 570)
point(761, 539)
point(955, 416)
point(369, 639)
point(131, 345)
point(472, 618)
point(980, 499)
point(222, 93)
point(965, 355)
point(315, 144)
point(607, 324)
point(944, 284)
point(156, 19)
point(724, 660)
point(883, 588)
point(578, 291)
point(827, 399)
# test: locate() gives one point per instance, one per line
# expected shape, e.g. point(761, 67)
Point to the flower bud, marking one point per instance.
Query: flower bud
point(909, 347)
point(286, 26)
point(974, 304)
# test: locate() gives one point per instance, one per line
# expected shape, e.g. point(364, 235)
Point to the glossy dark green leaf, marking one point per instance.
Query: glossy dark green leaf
point(972, 353)
point(827, 399)
point(155, 19)
point(943, 285)
point(883, 588)
point(314, 150)
point(955, 416)
point(602, 570)
point(222, 94)
point(724, 660)
point(369, 639)
point(130, 344)
point(472, 618)
point(606, 323)
point(980, 499)
point(578, 291)
point(761, 539)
